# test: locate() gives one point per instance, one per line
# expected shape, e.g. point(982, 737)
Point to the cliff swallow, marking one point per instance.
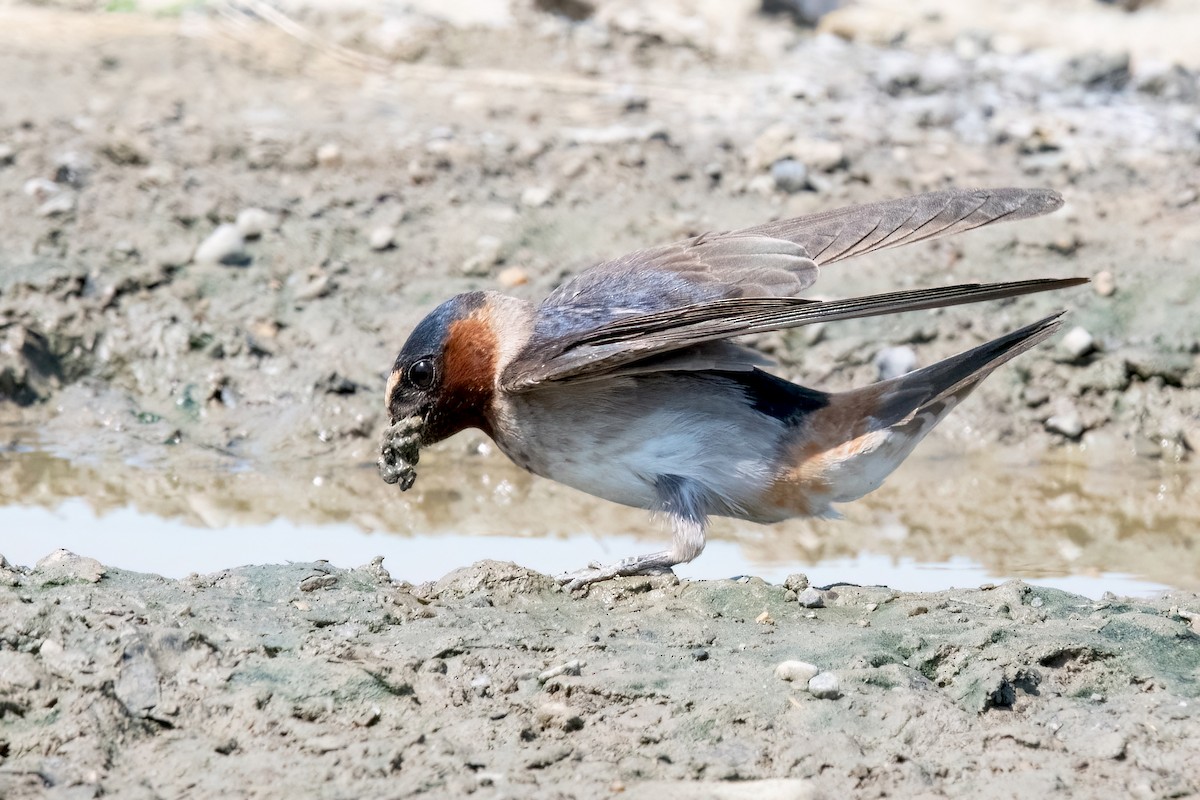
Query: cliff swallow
point(624, 383)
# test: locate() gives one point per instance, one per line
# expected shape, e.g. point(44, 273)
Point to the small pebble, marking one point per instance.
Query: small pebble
point(573, 667)
point(511, 277)
point(1104, 284)
point(536, 196)
point(1077, 343)
point(797, 582)
point(917, 611)
point(872, 606)
point(864, 623)
point(329, 155)
point(40, 189)
point(254, 222)
point(7, 154)
point(1037, 602)
point(796, 671)
point(382, 238)
point(319, 284)
point(789, 175)
point(765, 618)
point(825, 686)
point(59, 204)
point(1068, 425)
point(223, 246)
point(811, 598)
point(892, 362)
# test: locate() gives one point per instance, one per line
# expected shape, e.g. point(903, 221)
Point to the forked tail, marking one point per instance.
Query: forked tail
point(847, 449)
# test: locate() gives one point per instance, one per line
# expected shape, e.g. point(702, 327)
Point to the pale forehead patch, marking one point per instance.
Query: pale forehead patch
point(393, 379)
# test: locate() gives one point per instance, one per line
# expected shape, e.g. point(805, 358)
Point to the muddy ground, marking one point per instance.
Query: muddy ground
point(375, 160)
point(312, 681)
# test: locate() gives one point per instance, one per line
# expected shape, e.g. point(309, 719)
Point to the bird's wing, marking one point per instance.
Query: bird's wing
point(713, 271)
point(847, 232)
point(623, 342)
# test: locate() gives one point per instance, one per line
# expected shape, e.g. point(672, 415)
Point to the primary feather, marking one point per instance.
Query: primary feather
point(717, 286)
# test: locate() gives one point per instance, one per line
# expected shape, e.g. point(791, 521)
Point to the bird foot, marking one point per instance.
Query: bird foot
point(596, 572)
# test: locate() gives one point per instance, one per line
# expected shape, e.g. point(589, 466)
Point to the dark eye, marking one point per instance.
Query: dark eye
point(420, 374)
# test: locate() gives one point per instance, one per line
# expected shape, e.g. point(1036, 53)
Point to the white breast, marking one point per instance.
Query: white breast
point(614, 438)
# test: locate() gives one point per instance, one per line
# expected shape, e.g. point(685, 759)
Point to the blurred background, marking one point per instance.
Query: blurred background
point(219, 221)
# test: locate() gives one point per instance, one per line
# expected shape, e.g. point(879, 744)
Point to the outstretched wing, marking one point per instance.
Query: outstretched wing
point(646, 336)
point(674, 297)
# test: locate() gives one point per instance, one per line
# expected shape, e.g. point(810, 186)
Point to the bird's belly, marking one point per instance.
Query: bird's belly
point(616, 444)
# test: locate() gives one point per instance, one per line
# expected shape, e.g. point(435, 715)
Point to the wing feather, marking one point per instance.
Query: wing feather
point(720, 285)
point(842, 233)
point(633, 339)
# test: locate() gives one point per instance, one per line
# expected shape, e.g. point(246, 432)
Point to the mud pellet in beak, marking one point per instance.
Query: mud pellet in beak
point(400, 452)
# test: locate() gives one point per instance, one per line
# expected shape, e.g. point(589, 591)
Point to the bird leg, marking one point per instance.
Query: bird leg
point(687, 543)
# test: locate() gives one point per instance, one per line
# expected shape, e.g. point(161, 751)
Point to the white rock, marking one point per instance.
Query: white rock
point(536, 196)
point(572, 667)
point(382, 238)
point(1077, 343)
point(254, 222)
point(329, 155)
point(40, 189)
point(892, 362)
point(1104, 284)
point(61, 203)
point(825, 686)
point(796, 671)
point(223, 246)
point(1067, 424)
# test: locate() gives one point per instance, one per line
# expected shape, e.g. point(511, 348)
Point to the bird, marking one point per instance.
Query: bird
point(624, 382)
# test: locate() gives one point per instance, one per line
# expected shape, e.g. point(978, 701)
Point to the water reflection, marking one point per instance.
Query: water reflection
point(996, 515)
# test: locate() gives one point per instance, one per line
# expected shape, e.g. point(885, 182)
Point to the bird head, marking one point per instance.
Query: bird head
point(444, 376)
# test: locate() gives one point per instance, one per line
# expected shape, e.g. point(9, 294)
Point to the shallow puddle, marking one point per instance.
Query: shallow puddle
point(940, 522)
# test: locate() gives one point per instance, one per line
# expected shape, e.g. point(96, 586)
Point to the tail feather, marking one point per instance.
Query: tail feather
point(955, 377)
point(849, 447)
